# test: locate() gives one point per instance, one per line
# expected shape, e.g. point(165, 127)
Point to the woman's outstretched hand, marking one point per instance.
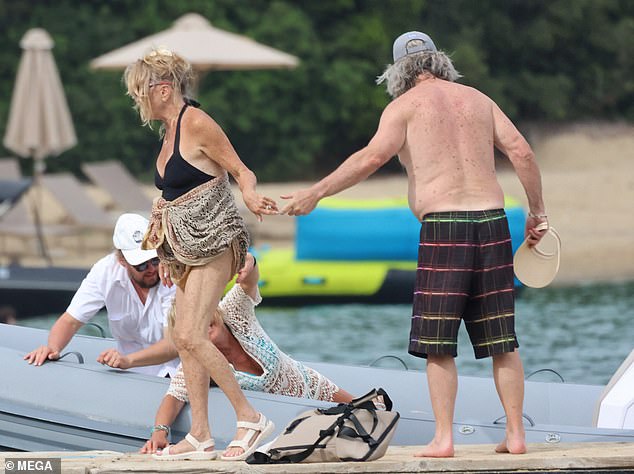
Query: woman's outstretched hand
point(260, 205)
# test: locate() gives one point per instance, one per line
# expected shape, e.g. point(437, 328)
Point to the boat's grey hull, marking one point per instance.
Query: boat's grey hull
point(70, 406)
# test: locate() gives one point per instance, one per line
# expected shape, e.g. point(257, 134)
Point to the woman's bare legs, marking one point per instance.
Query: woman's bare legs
point(201, 360)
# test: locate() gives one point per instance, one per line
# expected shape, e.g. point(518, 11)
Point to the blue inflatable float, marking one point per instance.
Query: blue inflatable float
point(383, 229)
point(361, 251)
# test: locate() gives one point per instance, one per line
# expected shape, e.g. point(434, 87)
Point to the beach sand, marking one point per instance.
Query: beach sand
point(588, 186)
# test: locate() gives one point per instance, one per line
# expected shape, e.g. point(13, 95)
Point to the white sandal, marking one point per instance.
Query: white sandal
point(198, 453)
point(257, 431)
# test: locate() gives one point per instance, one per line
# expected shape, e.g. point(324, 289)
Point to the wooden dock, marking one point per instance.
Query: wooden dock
point(577, 457)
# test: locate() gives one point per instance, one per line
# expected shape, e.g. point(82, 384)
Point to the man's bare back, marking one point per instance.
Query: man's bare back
point(448, 148)
point(444, 134)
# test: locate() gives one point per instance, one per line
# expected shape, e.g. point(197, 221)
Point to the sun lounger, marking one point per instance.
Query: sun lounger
point(18, 223)
point(125, 191)
point(79, 206)
point(11, 190)
point(86, 217)
point(15, 222)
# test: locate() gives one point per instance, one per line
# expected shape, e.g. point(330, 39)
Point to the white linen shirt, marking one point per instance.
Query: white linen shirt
point(133, 325)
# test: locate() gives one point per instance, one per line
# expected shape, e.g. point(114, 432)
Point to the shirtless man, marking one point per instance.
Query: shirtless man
point(444, 135)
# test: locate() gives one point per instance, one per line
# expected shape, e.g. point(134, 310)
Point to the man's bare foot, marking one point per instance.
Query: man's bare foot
point(436, 450)
point(502, 448)
point(516, 446)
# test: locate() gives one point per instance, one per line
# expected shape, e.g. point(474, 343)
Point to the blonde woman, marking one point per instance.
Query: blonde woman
point(200, 238)
point(256, 360)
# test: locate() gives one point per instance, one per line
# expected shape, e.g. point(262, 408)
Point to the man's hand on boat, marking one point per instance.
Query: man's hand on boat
point(41, 355)
point(113, 358)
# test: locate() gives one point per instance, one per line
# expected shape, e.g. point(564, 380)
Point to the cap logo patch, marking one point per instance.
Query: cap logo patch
point(137, 236)
point(415, 45)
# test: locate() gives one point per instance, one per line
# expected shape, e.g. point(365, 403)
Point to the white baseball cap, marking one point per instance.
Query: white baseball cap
point(128, 235)
point(410, 43)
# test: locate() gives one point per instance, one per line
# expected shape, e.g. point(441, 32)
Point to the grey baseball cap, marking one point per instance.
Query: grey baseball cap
point(410, 43)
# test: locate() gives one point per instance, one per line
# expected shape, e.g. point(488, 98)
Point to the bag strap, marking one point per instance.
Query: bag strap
point(377, 442)
point(365, 398)
point(366, 401)
point(371, 395)
point(386, 399)
point(337, 409)
point(361, 431)
point(323, 434)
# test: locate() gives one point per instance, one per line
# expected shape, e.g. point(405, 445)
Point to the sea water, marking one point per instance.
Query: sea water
point(581, 332)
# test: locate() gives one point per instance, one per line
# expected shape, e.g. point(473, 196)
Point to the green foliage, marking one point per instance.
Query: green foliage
point(554, 60)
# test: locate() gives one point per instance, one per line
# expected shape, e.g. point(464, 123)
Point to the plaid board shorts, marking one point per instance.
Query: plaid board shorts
point(465, 271)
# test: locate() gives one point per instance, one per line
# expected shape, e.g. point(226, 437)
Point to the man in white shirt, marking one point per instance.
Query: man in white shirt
point(127, 283)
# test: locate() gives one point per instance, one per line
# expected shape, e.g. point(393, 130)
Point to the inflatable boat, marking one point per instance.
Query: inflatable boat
point(77, 404)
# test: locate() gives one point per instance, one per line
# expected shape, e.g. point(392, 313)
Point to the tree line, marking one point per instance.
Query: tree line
point(540, 60)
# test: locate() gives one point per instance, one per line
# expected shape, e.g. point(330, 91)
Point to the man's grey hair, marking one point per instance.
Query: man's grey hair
point(401, 76)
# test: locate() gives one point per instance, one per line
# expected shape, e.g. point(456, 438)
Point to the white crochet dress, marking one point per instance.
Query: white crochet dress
point(282, 375)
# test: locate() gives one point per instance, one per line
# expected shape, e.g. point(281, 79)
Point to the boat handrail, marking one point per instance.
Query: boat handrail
point(546, 370)
point(497, 421)
point(102, 333)
point(80, 358)
point(389, 356)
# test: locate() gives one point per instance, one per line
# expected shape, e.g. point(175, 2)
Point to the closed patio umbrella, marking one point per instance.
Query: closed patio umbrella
point(205, 47)
point(40, 124)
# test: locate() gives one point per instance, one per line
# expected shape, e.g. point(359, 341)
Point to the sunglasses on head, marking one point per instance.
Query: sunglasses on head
point(141, 267)
point(160, 83)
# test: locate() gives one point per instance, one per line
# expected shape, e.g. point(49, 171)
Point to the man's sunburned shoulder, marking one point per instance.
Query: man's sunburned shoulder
point(470, 92)
point(404, 104)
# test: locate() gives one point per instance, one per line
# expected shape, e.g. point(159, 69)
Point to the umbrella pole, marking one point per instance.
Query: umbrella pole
point(37, 201)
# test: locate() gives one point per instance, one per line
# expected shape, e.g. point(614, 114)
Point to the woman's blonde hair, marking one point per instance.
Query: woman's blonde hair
point(401, 76)
point(159, 65)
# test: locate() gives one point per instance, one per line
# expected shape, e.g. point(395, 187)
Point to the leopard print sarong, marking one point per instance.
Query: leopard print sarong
point(196, 227)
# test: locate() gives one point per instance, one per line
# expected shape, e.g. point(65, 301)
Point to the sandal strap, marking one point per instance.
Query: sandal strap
point(239, 443)
point(255, 426)
point(166, 450)
point(248, 436)
point(198, 445)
